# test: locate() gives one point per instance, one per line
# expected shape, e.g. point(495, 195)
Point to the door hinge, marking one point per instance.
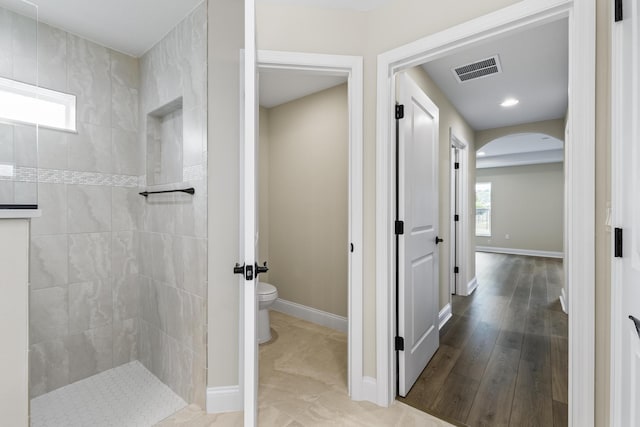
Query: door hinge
point(456, 270)
point(456, 217)
point(617, 250)
point(399, 111)
point(399, 344)
point(618, 10)
point(399, 227)
point(456, 165)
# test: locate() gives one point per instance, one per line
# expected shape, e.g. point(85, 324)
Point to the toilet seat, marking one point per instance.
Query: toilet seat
point(266, 291)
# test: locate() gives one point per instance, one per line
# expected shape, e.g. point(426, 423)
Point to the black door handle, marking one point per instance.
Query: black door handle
point(245, 270)
point(261, 268)
point(438, 240)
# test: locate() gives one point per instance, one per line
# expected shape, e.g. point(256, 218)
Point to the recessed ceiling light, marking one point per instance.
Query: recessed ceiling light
point(509, 102)
point(481, 153)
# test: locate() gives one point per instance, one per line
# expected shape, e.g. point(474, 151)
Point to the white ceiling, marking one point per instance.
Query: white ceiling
point(134, 26)
point(520, 149)
point(362, 5)
point(521, 143)
point(521, 159)
point(128, 26)
point(279, 86)
point(534, 62)
point(534, 70)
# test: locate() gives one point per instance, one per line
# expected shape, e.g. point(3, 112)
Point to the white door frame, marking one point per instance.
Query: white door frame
point(460, 242)
point(580, 253)
point(351, 67)
point(624, 133)
point(248, 377)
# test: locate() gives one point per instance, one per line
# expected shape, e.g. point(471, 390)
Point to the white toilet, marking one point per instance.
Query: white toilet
point(267, 295)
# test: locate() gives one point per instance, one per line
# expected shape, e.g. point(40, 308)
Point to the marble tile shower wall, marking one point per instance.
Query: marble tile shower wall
point(84, 270)
point(114, 277)
point(18, 144)
point(173, 228)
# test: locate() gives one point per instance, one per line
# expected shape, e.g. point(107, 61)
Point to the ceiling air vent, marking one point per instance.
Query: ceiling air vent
point(478, 69)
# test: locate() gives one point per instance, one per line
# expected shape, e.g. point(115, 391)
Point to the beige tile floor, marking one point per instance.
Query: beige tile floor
point(303, 382)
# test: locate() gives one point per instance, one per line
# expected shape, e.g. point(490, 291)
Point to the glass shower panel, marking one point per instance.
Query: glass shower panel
point(18, 139)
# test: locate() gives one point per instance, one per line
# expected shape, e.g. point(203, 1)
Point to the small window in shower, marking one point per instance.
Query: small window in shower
point(28, 104)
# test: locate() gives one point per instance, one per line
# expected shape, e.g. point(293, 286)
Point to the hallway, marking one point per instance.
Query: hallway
point(503, 355)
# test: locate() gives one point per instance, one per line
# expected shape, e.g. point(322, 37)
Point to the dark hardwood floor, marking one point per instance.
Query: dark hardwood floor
point(502, 359)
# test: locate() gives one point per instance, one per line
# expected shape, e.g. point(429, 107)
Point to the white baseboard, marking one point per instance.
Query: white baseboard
point(563, 301)
point(471, 286)
point(369, 389)
point(527, 252)
point(444, 316)
point(224, 399)
point(466, 290)
point(312, 315)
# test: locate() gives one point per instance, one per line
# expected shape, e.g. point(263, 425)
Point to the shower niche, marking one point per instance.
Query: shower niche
point(164, 144)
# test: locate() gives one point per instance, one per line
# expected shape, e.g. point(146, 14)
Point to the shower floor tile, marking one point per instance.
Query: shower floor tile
point(126, 396)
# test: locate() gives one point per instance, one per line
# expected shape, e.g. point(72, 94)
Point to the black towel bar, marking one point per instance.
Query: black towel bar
point(636, 323)
point(189, 190)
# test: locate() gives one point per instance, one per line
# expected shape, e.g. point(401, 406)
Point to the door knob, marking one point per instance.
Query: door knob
point(261, 268)
point(245, 270)
point(438, 240)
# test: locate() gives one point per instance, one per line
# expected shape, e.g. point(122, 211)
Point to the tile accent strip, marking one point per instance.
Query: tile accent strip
point(58, 176)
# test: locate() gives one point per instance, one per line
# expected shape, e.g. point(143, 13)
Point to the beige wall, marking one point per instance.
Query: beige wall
point(14, 321)
point(263, 191)
point(307, 206)
point(554, 128)
point(603, 200)
point(337, 31)
point(296, 28)
point(226, 35)
point(526, 203)
point(450, 120)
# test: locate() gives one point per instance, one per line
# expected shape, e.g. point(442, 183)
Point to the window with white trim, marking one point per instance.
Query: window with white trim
point(483, 209)
point(25, 103)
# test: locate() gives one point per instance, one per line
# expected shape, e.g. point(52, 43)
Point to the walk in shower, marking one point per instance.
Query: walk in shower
point(117, 279)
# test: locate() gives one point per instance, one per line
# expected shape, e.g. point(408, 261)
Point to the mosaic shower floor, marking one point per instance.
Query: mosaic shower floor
point(126, 396)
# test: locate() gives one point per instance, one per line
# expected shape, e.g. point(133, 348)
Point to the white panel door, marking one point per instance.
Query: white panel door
point(248, 209)
point(417, 247)
point(630, 284)
point(626, 183)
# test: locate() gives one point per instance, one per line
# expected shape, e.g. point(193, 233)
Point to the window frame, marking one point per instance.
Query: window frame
point(68, 101)
point(490, 209)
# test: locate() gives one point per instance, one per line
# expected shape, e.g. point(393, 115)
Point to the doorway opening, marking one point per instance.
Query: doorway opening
point(579, 249)
point(313, 227)
point(459, 197)
point(519, 211)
